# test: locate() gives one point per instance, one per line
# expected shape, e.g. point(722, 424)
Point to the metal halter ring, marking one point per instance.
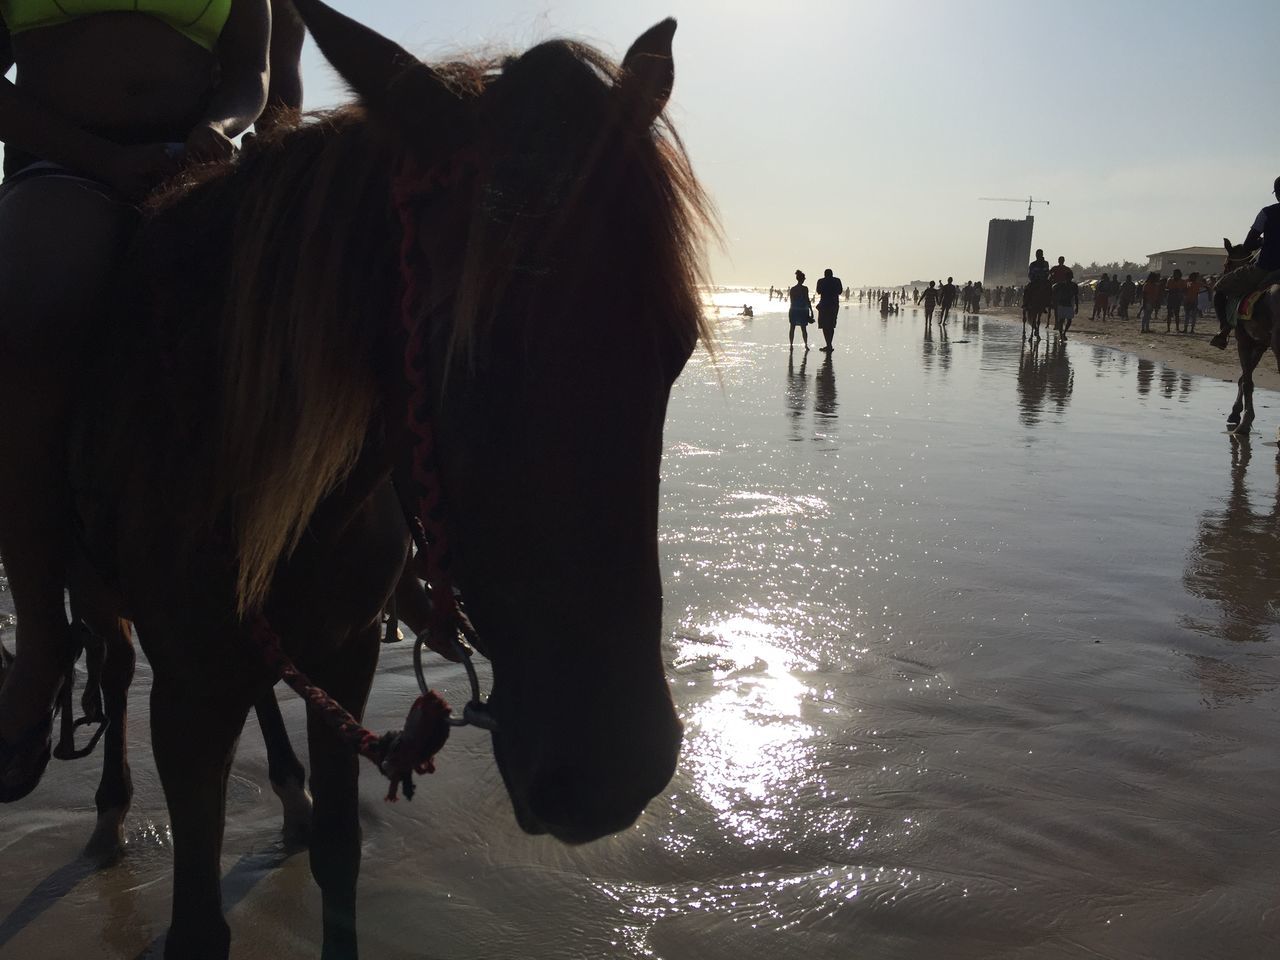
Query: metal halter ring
point(476, 712)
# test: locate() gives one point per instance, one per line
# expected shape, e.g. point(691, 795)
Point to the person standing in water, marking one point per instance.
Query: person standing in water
point(801, 312)
point(828, 288)
point(929, 298)
point(948, 298)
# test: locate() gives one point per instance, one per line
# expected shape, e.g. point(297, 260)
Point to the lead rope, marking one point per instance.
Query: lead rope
point(398, 755)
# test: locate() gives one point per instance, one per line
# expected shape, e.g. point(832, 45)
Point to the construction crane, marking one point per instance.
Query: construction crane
point(1029, 201)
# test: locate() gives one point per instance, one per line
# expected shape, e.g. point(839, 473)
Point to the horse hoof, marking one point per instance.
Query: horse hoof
point(106, 846)
point(295, 803)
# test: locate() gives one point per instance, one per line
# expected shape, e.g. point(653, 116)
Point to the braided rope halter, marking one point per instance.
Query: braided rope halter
point(398, 755)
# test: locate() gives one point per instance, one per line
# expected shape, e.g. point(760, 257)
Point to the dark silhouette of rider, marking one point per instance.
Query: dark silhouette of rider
point(1264, 236)
point(1039, 268)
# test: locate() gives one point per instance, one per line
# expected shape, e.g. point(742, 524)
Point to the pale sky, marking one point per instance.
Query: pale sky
point(858, 134)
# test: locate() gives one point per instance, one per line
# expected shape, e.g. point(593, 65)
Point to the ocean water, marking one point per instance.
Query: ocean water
point(974, 647)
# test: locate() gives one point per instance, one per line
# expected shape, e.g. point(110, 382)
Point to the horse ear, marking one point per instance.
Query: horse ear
point(393, 84)
point(648, 74)
point(1226, 243)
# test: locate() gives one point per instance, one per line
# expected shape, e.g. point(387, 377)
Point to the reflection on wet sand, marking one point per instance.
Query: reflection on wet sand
point(1044, 374)
point(941, 351)
point(1235, 559)
point(797, 388)
point(1146, 373)
point(824, 390)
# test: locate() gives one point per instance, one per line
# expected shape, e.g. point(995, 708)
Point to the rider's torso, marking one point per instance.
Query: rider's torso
point(1269, 258)
point(77, 70)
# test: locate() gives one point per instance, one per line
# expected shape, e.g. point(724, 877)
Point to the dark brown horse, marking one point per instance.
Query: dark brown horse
point(1254, 336)
point(250, 409)
point(1037, 301)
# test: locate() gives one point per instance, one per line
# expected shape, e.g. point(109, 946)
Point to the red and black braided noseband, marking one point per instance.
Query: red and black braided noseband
point(411, 185)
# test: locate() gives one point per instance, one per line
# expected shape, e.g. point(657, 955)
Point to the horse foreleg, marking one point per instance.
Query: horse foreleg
point(287, 775)
point(115, 790)
point(335, 841)
point(1233, 418)
point(194, 729)
point(1250, 355)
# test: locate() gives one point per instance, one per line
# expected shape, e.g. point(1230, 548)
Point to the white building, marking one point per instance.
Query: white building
point(1205, 261)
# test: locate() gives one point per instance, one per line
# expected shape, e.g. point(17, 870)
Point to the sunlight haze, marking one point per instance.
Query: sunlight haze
point(860, 135)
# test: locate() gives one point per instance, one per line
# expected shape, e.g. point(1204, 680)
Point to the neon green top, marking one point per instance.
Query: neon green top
point(198, 20)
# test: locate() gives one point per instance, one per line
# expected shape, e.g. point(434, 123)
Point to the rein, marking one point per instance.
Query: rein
point(398, 755)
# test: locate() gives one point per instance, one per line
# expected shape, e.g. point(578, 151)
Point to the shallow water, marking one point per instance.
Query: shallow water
point(973, 646)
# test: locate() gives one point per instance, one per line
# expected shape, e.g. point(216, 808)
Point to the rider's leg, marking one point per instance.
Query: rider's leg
point(59, 240)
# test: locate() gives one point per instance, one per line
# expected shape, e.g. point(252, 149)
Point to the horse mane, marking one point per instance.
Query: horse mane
point(309, 283)
point(307, 322)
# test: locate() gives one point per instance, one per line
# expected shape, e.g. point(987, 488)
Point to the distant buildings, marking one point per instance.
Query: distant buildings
point(1204, 260)
point(1008, 252)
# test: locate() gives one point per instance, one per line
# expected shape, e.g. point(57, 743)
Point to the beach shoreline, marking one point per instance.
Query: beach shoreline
point(1188, 353)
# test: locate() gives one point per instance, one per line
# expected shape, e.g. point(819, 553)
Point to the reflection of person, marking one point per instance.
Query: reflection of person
point(801, 312)
point(824, 390)
point(828, 289)
point(104, 106)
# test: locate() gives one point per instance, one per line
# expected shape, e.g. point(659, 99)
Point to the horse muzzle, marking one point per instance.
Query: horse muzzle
point(578, 782)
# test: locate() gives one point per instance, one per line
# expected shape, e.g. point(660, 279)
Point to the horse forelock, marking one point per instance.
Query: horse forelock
point(563, 188)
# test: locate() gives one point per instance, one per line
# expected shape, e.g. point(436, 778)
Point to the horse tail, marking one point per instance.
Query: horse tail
point(298, 387)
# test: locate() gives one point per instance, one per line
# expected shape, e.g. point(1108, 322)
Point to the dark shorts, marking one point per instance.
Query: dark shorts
point(41, 169)
point(827, 314)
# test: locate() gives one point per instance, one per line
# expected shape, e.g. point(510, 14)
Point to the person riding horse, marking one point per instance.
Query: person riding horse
point(1263, 237)
point(1037, 276)
point(87, 133)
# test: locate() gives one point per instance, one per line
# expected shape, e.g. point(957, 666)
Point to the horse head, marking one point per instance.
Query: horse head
point(559, 264)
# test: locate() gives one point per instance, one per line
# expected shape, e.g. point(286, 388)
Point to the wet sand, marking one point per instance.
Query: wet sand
point(974, 645)
point(1190, 353)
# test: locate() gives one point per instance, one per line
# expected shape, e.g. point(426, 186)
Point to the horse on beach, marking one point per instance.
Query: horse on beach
point(1037, 302)
point(1255, 334)
point(247, 411)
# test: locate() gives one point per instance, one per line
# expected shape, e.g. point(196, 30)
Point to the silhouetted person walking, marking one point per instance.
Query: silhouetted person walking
point(948, 298)
point(828, 289)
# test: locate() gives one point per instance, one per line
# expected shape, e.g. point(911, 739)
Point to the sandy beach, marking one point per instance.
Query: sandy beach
point(1189, 353)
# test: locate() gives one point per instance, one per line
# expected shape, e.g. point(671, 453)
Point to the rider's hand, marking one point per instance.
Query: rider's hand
point(206, 143)
point(134, 171)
